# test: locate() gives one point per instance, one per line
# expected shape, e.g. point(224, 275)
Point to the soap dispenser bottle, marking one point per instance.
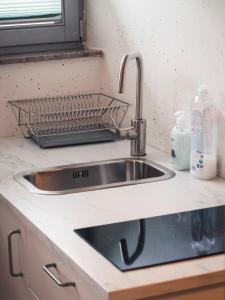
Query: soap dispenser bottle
point(203, 136)
point(180, 143)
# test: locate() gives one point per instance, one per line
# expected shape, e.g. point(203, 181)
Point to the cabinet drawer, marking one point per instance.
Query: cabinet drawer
point(32, 295)
point(50, 276)
point(12, 254)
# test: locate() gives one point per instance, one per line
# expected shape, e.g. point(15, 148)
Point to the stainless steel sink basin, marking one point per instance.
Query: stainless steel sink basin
point(92, 176)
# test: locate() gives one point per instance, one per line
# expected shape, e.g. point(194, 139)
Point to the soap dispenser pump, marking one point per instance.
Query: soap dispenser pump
point(181, 143)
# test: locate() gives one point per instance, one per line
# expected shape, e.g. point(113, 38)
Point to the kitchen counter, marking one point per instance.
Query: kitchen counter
point(58, 215)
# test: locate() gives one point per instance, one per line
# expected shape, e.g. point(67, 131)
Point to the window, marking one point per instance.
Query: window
point(37, 25)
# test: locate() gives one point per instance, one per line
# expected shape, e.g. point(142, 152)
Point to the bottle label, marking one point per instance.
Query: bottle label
point(197, 161)
point(197, 132)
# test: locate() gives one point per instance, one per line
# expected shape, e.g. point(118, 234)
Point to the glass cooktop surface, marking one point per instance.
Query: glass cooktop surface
point(159, 240)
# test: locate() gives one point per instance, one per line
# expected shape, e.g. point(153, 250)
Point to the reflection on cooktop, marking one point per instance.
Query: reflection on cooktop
point(159, 240)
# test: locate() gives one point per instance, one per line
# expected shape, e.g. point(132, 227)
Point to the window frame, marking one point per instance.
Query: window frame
point(67, 34)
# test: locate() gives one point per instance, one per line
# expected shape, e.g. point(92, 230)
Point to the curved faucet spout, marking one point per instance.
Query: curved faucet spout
point(122, 74)
point(139, 91)
point(138, 125)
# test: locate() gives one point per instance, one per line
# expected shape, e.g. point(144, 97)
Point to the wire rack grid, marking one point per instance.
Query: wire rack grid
point(52, 116)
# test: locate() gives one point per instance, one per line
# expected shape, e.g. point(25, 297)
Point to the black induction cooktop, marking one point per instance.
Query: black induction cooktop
point(159, 240)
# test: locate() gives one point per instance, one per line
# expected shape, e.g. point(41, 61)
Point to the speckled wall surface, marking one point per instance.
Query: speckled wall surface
point(42, 79)
point(183, 45)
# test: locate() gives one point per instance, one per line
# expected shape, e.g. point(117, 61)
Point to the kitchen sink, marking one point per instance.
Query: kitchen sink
point(93, 176)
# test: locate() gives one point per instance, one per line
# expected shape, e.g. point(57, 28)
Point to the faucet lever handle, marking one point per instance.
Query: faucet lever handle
point(126, 133)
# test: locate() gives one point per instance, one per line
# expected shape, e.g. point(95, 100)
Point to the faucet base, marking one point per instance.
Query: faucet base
point(138, 145)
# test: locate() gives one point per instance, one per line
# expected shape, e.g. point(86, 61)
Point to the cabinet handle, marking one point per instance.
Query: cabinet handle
point(10, 252)
point(56, 280)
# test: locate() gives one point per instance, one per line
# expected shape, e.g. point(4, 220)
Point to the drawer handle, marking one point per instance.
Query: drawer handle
point(10, 252)
point(56, 280)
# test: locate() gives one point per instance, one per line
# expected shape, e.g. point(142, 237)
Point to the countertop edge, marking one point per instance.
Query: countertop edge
point(170, 287)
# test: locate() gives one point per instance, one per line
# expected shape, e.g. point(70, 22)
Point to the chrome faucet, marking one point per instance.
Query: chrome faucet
point(137, 132)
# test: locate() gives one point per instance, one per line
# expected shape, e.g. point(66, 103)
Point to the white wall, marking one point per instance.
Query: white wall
point(60, 77)
point(183, 45)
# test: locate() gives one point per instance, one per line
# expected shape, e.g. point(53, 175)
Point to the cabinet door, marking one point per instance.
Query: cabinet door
point(12, 266)
point(32, 295)
point(49, 276)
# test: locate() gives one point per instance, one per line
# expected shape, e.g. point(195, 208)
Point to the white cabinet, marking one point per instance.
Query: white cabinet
point(32, 267)
point(12, 247)
point(32, 295)
point(50, 277)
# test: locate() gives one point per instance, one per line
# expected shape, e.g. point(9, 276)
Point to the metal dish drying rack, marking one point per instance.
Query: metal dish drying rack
point(60, 121)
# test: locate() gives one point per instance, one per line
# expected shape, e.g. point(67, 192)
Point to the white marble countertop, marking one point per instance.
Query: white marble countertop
point(57, 216)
